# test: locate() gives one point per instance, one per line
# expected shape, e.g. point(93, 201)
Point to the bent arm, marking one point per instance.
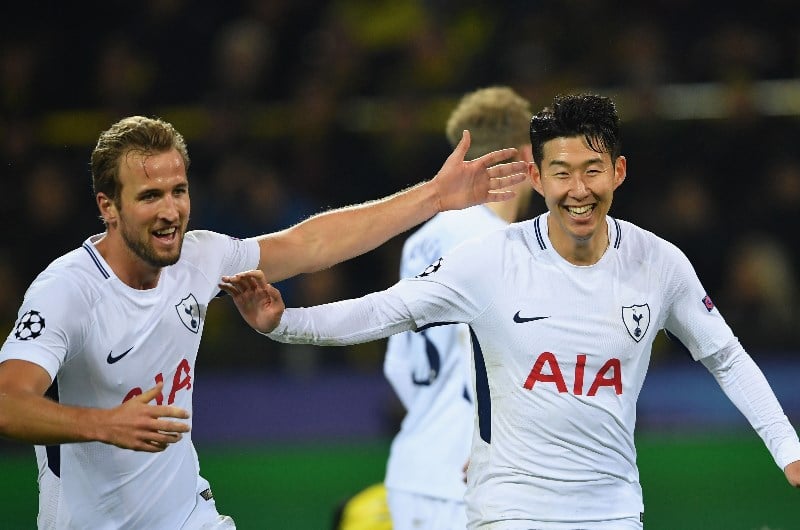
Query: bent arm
point(745, 385)
point(338, 235)
point(26, 415)
point(371, 317)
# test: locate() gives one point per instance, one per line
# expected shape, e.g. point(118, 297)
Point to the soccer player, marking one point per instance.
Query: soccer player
point(366, 510)
point(562, 310)
point(430, 370)
point(115, 325)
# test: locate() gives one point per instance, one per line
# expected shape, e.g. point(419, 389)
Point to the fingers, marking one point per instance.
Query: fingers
point(493, 158)
point(508, 169)
point(501, 183)
point(150, 395)
point(463, 145)
point(273, 293)
point(243, 281)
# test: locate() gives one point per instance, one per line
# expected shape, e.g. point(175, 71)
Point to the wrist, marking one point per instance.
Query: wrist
point(430, 198)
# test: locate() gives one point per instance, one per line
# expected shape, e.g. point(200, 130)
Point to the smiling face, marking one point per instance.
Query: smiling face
point(578, 185)
point(150, 218)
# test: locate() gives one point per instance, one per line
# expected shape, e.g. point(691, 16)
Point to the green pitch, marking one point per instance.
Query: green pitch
point(689, 484)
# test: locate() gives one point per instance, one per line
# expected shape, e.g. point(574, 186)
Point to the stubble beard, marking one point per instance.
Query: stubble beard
point(145, 251)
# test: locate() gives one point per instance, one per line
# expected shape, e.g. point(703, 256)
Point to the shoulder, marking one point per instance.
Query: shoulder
point(78, 271)
point(637, 242)
point(71, 284)
point(200, 243)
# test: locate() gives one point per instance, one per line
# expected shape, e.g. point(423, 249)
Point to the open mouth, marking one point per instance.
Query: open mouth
point(166, 235)
point(580, 211)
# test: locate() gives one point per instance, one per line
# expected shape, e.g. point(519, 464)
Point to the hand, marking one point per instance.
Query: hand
point(792, 472)
point(140, 426)
point(259, 303)
point(463, 183)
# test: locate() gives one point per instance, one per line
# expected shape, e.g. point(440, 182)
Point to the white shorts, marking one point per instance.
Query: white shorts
point(411, 511)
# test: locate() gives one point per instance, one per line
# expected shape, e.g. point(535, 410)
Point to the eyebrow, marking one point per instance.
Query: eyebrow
point(562, 163)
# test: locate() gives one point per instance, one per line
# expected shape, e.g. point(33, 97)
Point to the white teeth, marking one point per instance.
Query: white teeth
point(166, 231)
point(578, 210)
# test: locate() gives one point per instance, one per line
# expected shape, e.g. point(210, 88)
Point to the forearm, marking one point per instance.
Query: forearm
point(341, 234)
point(35, 419)
point(374, 316)
point(745, 385)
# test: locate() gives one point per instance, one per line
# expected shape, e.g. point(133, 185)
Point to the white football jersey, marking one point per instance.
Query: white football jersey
point(560, 355)
point(430, 372)
point(104, 342)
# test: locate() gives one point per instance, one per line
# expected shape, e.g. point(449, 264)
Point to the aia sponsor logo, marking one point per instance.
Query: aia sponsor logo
point(547, 370)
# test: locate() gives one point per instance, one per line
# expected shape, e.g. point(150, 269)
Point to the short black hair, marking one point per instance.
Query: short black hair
point(589, 115)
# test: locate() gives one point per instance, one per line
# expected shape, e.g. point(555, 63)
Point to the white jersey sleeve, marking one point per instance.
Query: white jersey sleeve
point(399, 308)
point(691, 315)
point(397, 365)
point(748, 389)
point(52, 323)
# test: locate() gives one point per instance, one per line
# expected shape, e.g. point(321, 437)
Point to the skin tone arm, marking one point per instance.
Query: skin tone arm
point(792, 472)
point(331, 237)
point(27, 415)
point(262, 306)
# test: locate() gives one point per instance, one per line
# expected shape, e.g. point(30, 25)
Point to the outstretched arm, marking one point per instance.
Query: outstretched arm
point(371, 317)
point(338, 235)
point(27, 416)
point(745, 385)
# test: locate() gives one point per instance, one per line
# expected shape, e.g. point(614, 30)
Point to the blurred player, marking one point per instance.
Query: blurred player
point(430, 370)
point(366, 510)
point(116, 324)
point(562, 310)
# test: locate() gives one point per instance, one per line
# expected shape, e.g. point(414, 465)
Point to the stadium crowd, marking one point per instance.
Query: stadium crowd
point(292, 107)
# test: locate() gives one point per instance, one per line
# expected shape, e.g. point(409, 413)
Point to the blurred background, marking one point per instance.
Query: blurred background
point(294, 107)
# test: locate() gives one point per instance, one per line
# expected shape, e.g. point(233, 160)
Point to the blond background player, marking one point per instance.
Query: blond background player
point(431, 370)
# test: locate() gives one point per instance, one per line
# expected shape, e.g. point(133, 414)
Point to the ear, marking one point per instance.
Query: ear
point(620, 171)
point(108, 210)
point(536, 178)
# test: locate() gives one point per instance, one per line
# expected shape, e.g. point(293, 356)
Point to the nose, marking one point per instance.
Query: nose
point(169, 210)
point(579, 188)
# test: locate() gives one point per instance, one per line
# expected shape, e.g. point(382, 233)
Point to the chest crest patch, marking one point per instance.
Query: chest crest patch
point(189, 312)
point(637, 320)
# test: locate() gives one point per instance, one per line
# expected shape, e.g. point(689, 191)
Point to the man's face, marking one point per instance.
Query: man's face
point(154, 206)
point(578, 186)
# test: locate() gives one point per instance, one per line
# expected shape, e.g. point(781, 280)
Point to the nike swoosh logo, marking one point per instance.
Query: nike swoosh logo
point(521, 320)
point(111, 359)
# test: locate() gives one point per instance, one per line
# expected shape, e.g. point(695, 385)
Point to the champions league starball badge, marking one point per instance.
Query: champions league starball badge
point(430, 269)
point(29, 326)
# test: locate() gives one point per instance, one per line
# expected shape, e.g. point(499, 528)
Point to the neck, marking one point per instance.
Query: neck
point(581, 252)
point(127, 266)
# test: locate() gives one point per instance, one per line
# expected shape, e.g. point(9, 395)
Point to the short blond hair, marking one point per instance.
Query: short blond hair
point(496, 117)
point(134, 133)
